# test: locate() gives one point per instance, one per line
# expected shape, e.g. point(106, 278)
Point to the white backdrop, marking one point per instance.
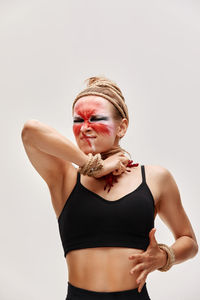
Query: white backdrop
point(48, 48)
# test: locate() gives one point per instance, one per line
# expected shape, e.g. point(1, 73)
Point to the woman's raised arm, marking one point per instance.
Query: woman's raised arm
point(50, 152)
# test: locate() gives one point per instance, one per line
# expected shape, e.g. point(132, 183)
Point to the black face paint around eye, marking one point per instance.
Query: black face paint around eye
point(77, 120)
point(99, 119)
point(93, 118)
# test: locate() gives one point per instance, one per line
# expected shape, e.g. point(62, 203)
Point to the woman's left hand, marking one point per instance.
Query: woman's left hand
point(150, 260)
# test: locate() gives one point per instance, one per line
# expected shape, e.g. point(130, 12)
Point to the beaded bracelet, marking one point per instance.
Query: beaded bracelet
point(92, 166)
point(170, 257)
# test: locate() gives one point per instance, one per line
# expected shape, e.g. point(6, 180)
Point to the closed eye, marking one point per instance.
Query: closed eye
point(98, 119)
point(77, 120)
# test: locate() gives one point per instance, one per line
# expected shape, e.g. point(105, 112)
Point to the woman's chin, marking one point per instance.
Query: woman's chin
point(87, 149)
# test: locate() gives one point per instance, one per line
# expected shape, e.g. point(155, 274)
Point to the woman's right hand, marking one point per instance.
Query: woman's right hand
point(115, 163)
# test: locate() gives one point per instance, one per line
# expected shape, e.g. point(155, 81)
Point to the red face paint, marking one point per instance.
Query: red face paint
point(84, 113)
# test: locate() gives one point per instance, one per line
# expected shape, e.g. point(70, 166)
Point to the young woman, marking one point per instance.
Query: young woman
point(106, 206)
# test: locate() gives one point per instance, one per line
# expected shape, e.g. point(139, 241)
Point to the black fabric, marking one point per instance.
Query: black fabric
point(87, 220)
point(76, 293)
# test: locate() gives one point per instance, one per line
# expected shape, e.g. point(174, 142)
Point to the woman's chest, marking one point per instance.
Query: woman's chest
point(120, 191)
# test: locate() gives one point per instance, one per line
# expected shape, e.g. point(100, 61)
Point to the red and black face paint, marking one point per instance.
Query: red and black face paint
point(93, 115)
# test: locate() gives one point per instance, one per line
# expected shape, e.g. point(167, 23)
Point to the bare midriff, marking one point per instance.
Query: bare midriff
point(102, 269)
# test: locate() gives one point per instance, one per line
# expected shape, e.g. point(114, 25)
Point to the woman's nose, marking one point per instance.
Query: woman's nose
point(85, 127)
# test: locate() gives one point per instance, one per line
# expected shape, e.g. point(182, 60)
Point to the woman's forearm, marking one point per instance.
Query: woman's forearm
point(184, 248)
point(49, 140)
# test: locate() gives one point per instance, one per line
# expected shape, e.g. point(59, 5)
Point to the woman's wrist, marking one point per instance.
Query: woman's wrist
point(92, 166)
point(170, 257)
point(83, 160)
point(163, 258)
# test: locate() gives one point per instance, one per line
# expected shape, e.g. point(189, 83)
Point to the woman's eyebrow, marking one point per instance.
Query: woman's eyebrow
point(98, 116)
point(77, 117)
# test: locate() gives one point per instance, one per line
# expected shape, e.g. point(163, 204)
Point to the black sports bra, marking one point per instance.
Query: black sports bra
point(87, 220)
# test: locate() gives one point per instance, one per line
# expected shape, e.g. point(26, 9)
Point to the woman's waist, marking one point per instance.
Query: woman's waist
point(102, 268)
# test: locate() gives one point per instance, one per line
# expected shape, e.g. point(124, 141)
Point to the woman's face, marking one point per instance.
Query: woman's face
point(93, 125)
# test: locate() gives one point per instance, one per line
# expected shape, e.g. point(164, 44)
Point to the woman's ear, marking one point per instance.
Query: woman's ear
point(122, 127)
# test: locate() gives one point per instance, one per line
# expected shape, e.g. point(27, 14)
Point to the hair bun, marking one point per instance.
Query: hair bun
point(95, 80)
point(102, 81)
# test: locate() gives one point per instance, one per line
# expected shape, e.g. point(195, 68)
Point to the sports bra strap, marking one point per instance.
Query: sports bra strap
point(78, 177)
point(143, 173)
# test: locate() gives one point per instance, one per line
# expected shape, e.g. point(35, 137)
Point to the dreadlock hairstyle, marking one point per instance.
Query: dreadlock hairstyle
point(104, 87)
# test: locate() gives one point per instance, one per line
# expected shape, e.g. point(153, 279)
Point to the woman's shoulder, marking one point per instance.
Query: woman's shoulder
point(161, 175)
point(157, 170)
point(158, 179)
